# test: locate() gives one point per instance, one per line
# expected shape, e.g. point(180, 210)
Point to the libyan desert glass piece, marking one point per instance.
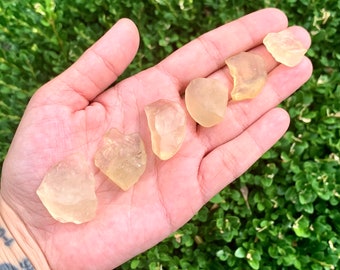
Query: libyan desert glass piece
point(121, 158)
point(249, 74)
point(206, 101)
point(68, 191)
point(167, 123)
point(285, 48)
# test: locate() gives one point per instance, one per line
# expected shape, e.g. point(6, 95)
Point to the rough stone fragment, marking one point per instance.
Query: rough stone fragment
point(167, 123)
point(285, 48)
point(121, 158)
point(206, 101)
point(68, 191)
point(249, 74)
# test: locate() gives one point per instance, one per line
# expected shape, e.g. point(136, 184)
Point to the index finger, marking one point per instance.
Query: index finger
point(207, 53)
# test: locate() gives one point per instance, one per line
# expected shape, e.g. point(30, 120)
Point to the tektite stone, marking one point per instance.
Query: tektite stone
point(249, 74)
point(121, 158)
point(68, 191)
point(167, 123)
point(206, 101)
point(285, 48)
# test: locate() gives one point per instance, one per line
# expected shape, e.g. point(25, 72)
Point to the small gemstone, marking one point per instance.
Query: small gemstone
point(121, 158)
point(206, 101)
point(68, 191)
point(249, 74)
point(167, 123)
point(285, 48)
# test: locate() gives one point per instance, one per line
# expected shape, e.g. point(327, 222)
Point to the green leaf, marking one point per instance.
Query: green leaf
point(240, 252)
point(134, 263)
point(301, 227)
point(217, 199)
point(253, 259)
point(222, 255)
point(307, 196)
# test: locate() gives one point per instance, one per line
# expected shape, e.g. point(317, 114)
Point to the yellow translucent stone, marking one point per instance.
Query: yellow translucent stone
point(68, 191)
point(121, 158)
point(285, 48)
point(206, 101)
point(167, 123)
point(249, 74)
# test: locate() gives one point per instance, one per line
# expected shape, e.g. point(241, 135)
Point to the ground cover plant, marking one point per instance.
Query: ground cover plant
point(284, 212)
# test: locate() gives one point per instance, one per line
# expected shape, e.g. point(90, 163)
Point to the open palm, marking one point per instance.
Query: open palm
point(71, 113)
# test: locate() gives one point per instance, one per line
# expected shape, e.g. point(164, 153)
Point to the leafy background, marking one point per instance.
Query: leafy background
point(284, 212)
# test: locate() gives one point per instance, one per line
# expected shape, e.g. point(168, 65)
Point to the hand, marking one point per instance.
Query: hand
point(71, 113)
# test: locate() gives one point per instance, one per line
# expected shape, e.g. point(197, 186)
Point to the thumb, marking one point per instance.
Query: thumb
point(95, 70)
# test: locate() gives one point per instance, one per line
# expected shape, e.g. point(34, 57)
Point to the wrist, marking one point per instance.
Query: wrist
point(18, 249)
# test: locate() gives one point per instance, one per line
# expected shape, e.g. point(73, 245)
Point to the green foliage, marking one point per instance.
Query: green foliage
point(283, 213)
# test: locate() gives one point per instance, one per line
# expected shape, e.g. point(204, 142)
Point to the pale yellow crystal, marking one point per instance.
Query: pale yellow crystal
point(68, 191)
point(121, 158)
point(249, 74)
point(285, 48)
point(166, 120)
point(206, 101)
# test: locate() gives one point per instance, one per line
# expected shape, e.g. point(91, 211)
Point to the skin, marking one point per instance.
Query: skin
point(71, 113)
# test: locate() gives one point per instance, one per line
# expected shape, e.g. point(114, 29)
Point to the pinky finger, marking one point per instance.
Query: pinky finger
point(228, 161)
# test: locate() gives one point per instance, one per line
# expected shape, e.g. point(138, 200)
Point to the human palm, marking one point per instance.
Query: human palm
point(71, 113)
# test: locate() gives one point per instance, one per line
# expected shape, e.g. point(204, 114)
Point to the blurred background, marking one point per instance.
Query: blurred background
point(284, 212)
